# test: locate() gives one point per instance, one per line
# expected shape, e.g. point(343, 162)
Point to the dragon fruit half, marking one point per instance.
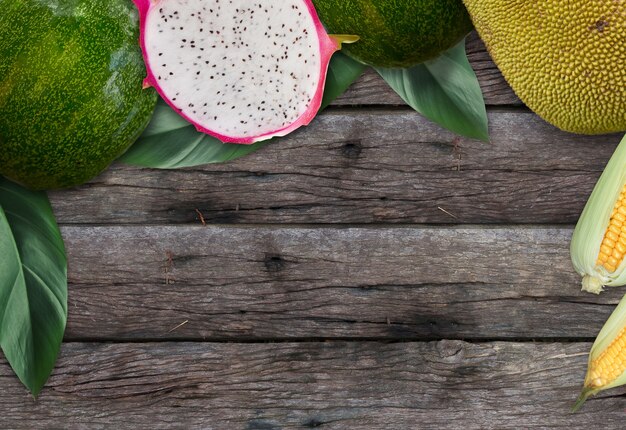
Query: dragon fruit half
point(240, 70)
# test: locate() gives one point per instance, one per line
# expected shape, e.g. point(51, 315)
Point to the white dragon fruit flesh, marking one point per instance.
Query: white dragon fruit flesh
point(240, 70)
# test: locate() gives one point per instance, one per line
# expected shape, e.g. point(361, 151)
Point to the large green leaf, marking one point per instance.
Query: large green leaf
point(170, 142)
point(444, 90)
point(33, 284)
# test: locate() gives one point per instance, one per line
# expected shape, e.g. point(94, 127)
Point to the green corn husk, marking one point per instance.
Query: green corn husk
point(593, 223)
point(613, 327)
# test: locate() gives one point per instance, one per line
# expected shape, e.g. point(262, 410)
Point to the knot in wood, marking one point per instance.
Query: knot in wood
point(352, 149)
point(451, 350)
point(274, 263)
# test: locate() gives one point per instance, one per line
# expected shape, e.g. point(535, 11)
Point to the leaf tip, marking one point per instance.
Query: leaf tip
point(582, 398)
point(484, 137)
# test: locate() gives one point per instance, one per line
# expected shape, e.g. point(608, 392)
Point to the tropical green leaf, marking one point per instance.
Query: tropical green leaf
point(170, 142)
point(342, 72)
point(33, 284)
point(444, 90)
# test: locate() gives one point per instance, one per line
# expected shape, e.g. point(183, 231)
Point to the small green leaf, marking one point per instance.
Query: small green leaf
point(170, 142)
point(444, 90)
point(342, 72)
point(33, 284)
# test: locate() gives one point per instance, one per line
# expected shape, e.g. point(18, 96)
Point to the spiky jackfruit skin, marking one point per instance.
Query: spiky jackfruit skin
point(71, 97)
point(566, 59)
point(396, 33)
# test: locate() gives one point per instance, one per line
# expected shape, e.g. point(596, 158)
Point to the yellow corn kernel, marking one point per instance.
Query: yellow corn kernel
point(615, 233)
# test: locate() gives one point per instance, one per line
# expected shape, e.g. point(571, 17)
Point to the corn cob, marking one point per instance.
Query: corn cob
point(607, 360)
point(599, 241)
point(613, 245)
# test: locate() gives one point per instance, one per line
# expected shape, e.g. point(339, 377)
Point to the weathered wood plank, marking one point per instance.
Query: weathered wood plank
point(370, 89)
point(335, 385)
point(258, 283)
point(355, 166)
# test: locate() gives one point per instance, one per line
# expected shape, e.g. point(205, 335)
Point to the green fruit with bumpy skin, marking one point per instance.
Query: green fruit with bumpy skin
point(566, 60)
point(71, 96)
point(396, 33)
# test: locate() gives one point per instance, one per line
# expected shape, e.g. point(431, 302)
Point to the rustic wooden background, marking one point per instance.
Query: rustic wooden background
point(371, 271)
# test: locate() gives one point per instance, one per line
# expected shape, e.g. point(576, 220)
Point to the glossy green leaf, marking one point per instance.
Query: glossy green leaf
point(342, 72)
point(33, 284)
point(170, 142)
point(444, 90)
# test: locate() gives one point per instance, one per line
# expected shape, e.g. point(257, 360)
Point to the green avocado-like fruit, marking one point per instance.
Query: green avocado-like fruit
point(396, 33)
point(71, 96)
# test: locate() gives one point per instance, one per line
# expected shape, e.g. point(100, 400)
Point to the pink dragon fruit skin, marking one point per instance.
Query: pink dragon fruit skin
point(315, 60)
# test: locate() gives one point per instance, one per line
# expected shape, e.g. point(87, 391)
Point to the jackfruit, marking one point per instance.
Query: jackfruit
point(565, 59)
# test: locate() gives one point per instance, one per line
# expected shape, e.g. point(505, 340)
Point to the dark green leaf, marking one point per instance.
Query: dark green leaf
point(170, 142)
point(33, 284)
point(342, 72)
point(444, 90)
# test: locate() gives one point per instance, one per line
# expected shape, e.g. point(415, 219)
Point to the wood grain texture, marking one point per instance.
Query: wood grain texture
point(357, 166)
point(370, 89)
point(331, 385)
point(259, 283)
point(314, 287)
